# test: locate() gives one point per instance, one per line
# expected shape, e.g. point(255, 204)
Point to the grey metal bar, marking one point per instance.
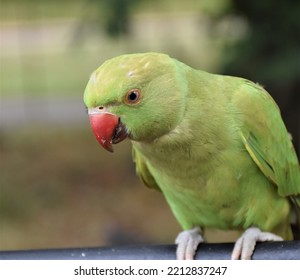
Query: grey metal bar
point(286, 250)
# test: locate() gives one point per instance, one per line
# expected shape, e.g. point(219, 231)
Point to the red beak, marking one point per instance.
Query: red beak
point(108, 129)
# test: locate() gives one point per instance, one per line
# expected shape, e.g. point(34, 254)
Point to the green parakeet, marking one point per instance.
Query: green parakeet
point(215, 146)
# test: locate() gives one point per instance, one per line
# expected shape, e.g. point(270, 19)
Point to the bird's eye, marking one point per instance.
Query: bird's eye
point(133, 96)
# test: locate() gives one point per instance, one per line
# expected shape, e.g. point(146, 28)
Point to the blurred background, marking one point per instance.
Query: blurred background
point(58, 187)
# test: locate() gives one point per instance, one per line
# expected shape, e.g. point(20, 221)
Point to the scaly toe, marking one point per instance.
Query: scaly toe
point(187, 243)
point(245, 245)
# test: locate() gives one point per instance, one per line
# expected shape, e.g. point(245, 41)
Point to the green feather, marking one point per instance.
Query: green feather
point(143, 171)
point(267, 140)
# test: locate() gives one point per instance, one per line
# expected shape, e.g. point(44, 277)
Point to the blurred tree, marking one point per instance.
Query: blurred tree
point(270, 54)
point(113, 15)
point(116, 14)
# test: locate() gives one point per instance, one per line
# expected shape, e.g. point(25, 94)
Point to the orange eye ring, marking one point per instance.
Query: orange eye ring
point(133, 96)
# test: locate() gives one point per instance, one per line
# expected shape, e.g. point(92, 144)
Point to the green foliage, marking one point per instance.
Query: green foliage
point(270, 50)
point(117, 15)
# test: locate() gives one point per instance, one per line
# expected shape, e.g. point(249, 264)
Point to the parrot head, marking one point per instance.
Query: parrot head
point(135, 96)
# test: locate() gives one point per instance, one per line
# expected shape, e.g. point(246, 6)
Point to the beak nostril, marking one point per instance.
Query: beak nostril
point(101, 107)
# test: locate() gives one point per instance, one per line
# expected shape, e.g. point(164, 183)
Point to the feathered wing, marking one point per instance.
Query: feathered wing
point(267, 141)
point(143, 171)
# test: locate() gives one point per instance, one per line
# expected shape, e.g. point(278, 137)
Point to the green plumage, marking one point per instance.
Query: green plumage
point(215, 146)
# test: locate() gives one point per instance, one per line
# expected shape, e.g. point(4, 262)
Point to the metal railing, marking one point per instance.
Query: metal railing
point(285, 250)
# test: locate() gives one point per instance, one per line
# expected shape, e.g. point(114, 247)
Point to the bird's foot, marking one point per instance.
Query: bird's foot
point(187, 242)
point(244, 246)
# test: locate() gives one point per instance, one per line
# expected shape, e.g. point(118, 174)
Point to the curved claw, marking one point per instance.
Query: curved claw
point(245, 245)
point(187, 243)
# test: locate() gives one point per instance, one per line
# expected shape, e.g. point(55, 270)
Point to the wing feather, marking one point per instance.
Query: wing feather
point(143, 171)
point(266, 139)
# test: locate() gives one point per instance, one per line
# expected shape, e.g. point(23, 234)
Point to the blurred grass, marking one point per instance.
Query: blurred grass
point(54, 73)
point(41, 74)
point(32, 10)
